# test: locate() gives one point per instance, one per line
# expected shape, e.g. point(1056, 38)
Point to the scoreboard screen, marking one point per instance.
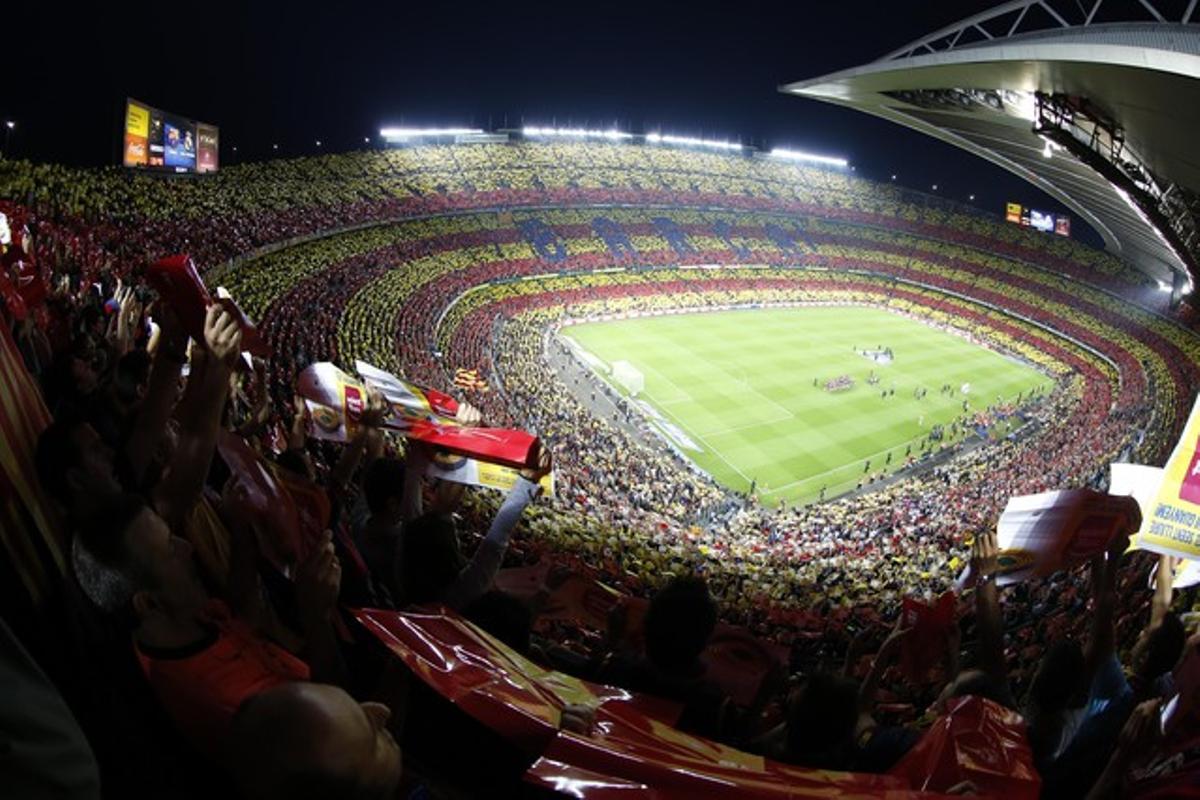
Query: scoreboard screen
point(1041, 220)
point(158, 140)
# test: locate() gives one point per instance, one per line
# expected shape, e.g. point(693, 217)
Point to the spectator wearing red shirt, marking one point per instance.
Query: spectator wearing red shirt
point(201, 662)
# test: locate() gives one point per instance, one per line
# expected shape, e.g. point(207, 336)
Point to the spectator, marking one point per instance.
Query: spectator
point(201, 661)
point(434, 568)
point(310, 740)
point(679, 621)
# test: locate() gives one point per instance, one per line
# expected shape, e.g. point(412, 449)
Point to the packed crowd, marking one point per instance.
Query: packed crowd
point(249, 679)
point(117, 216)
point(245, 672)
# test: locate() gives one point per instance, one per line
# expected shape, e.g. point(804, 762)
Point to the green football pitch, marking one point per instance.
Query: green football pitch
point(734, 390)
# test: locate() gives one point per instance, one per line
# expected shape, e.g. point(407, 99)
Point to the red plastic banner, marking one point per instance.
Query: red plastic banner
point(735, 659)
point(632, 747)
point(268, 503)
point(179, 285)
point(977, 741)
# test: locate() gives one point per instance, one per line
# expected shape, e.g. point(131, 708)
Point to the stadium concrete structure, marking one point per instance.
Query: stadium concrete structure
point(1096, 103)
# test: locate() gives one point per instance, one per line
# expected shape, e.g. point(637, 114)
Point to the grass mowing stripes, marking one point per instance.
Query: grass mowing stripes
point(740, 385)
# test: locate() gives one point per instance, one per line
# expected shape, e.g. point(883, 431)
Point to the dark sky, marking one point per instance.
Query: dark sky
point(296, 72)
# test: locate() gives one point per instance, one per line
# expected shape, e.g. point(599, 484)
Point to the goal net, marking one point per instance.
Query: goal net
point(628, 377)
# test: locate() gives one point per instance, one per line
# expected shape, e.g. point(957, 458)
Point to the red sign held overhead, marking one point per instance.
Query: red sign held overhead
point(180, 286)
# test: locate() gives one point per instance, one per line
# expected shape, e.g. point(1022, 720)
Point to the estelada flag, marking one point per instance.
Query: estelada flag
point(423, 414)
point(469, 381)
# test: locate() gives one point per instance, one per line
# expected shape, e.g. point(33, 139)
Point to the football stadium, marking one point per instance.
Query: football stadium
point(542, 459)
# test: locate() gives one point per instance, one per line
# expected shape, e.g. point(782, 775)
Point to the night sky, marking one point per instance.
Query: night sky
point(293, 73)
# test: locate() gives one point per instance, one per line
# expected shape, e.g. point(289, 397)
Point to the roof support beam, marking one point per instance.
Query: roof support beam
point(1187, 15)
point(1152, 10)
point(1021, 16)
point(1092, 13)
point(1055, 14)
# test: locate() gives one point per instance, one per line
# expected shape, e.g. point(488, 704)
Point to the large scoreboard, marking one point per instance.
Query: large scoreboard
point(157, 140)
point(1041, 220)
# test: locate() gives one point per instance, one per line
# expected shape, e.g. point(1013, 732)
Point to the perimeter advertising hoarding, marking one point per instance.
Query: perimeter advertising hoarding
point(155, 139)
point(1041, 220)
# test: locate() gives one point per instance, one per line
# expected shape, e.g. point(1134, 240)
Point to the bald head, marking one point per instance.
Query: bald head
point(312, 740)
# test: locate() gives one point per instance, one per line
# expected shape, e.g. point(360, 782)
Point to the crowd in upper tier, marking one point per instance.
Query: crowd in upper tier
point(185, 631)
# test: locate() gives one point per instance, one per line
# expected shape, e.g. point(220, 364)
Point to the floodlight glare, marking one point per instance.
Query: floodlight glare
point(575, 133)
point(691, 141)
point(799, 155)
point(400, 134)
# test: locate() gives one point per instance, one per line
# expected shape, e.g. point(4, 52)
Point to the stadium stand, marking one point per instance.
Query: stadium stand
point(265, 658)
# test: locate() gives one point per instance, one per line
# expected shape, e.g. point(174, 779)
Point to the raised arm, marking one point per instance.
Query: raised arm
point(368, 443)
point(1163, 589)
point(1102, 640)
point(318, 581)
point(200, 420)
point(988, 619)
point(162, 391)
point(1140, 734)
point(477, 577)
point(260, 412)
point(888, 652)
point(416, 460)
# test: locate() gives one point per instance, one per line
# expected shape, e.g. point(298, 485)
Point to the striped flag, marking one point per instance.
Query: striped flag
point(31, 535)
point(469, 381)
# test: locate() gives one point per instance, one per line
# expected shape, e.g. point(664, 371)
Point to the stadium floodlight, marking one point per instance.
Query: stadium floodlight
point(366, 140)
point(274, 147)
point(8, 123)
point(403, 134)
point(799, 155)
point(1164, 287)
point(318, 142)
point(575, 133)
point(691, 141)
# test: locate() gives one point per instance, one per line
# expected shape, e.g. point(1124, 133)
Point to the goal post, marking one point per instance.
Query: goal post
point(628, 377)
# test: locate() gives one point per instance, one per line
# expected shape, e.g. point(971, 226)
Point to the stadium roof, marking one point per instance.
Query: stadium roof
point(1097, 103)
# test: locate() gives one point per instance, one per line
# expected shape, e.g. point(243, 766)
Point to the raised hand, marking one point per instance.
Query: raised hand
point(983, 555)
point(318, 581)
point(377, 409)
point(541, 470)
point(222, 336)
point(468, 415)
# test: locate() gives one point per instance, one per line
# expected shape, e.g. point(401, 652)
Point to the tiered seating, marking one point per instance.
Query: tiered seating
point(427, 259)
